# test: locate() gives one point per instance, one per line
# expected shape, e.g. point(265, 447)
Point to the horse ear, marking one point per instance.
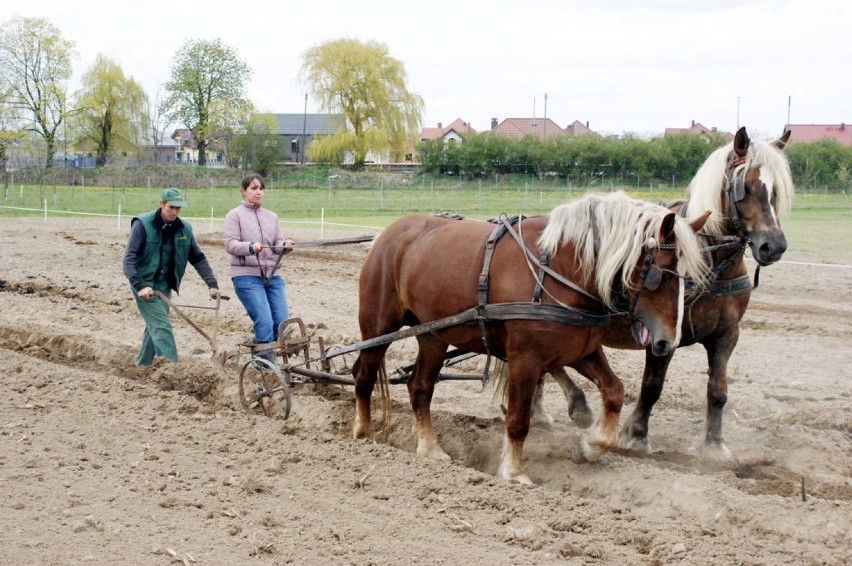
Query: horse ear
point(781, 142)
point(699, 222)
point(667, 227)
point(741, 142)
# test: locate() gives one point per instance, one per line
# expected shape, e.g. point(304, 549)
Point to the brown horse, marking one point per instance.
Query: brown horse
point(747, 185)
point(536, 314)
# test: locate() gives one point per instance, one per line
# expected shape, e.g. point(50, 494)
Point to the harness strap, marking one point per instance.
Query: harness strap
point(714, 287)
point(482, 288)
point(539, 280)
point(726, 287)
point(511, 231)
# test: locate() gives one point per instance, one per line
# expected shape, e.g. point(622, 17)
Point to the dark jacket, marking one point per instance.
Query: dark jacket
point(156, 251)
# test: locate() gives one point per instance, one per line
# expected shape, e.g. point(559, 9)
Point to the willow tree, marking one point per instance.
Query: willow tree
point(206, 91)
point(35, 63)
point(362, 82)
point(111, 110)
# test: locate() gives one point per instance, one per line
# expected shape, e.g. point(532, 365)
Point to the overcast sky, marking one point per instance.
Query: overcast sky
point(620, 65)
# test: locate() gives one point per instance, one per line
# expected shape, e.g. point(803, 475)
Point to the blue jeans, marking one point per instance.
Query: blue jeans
point(266, 306)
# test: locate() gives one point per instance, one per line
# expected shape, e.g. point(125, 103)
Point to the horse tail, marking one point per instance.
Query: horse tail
point(501, 381)
point(384, 395)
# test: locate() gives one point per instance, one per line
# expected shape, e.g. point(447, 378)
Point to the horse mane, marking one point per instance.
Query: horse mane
point(610, 231)
point(706, 188)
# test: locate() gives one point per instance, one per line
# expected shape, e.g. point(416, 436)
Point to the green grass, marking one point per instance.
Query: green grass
point(818, 229)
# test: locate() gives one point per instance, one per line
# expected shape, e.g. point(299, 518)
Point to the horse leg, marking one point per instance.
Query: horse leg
point(421, 387)
point(634, 433)
point(596, 368)
point(718, 353)
point(521, 389)
point(365, 371)
point(540, 417)
point(578, 406)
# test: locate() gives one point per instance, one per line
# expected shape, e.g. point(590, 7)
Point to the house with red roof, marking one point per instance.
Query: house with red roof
point(578, 129)
point(808, 133)
point(699, 129)
point(455, 132)
point(521, 127)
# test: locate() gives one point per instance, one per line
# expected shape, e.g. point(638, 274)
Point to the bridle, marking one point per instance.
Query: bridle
point(734, 194)
point(651, 275)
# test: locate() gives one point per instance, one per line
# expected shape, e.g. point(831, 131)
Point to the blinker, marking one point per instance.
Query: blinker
point(737, 190)
point(653, 278)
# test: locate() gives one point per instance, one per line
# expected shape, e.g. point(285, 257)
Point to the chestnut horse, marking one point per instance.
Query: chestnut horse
point(536, 314)
point(747, 186)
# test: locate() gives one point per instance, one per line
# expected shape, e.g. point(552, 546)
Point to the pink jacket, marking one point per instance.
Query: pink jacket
point(248, 223)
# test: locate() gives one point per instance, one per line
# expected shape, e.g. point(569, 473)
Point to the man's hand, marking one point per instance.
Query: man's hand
point(214, 293)
point(145, 293)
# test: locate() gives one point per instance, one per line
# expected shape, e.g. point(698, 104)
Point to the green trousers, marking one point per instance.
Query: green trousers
point(158, 338)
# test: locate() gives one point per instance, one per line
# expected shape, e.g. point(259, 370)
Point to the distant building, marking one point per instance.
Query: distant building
point(578, 129)
point(299, 130)
point(808, 133)
point(698, 129)
point(540, 127)
point(186, 149)
point(454, 133)
point(521, 127)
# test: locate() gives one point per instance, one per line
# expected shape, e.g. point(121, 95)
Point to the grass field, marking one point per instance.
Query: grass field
point(818, 229)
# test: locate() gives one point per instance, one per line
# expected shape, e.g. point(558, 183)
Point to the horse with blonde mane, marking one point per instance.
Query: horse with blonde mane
point(540, 292)
point(747, 186)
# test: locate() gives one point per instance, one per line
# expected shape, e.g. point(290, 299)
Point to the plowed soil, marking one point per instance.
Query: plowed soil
point(104, 463)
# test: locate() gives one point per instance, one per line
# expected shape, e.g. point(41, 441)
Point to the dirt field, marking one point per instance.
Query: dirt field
point(103, 463)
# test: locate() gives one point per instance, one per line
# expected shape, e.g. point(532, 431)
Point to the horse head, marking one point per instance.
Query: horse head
point(758, 181)
point(656, 285)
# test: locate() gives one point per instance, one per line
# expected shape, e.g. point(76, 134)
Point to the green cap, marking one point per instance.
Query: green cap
point(174, 197)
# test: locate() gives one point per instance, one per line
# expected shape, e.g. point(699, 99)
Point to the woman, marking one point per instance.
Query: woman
point(254, 240)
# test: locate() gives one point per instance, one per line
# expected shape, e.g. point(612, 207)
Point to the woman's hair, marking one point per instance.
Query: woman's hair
point(249, 178)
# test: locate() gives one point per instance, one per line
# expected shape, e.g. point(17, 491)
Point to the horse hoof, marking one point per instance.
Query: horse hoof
point(360, 431)
point(434, 453)
point(578, 451)
point(638, 443)
point(715, 452)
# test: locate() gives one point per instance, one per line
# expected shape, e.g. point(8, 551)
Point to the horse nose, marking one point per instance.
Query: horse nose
point(770, 253)
point(662, 347)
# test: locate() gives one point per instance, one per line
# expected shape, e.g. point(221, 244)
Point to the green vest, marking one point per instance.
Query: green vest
point(155, 255)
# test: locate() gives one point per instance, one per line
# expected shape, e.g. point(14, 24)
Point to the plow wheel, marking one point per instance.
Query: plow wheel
point(264, 389)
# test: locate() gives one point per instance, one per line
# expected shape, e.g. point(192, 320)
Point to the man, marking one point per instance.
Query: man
point(159, 247)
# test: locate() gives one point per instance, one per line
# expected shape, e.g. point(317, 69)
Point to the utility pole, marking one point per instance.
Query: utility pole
point(789, 98)
point(304, 127)
point(545, 116)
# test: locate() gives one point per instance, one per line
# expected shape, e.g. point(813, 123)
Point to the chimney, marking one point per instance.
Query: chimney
point(693, 123)
point(587, 124)
point(493, 123)
point(440, 126)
